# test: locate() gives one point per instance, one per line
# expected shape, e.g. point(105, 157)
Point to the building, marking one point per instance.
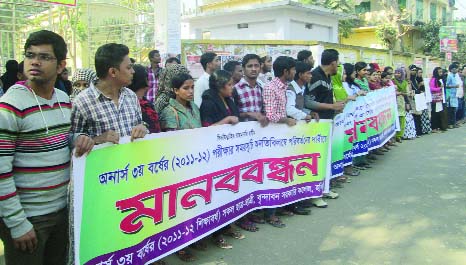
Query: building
point(372, 13)
point(261, 20)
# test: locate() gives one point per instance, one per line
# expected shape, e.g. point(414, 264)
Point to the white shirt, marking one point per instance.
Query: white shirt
point(351, 91)
point(291, 110)
point(201, 85)
point(459, 91)
point(264, 79)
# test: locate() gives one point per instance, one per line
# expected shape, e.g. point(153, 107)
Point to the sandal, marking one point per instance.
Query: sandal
point(199, 245)
point(276, 222)
point(284, 212)
point(353, 173)
point(345, 180)
point(256, 219)
point(360, 167)
point(341, 179)
point(234, 234)
point(337, 185)
point(160, 262)
point(185, 256)
point(247, 225)
point(222, 243)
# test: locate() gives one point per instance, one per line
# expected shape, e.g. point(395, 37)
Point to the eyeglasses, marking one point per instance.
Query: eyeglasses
point(43, 57)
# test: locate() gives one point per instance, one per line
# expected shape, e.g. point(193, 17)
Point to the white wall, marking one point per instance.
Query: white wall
point(277, 24)
point(318, 32)
point(265, 29)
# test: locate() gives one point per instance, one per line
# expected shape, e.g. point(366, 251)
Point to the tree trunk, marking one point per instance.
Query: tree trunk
point(400, 31)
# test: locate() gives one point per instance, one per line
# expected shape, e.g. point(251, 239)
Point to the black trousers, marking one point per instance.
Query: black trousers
point(418, 124)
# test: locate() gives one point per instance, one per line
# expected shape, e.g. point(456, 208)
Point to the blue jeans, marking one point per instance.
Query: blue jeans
point(460, 110)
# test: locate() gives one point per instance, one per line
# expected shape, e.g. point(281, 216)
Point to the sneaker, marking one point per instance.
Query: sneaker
point(319, 203)
point(331, 195)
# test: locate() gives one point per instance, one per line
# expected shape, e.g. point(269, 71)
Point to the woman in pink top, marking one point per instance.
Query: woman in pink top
point(439, 118)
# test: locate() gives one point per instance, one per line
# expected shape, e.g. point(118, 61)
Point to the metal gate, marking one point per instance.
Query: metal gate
point(85, 27)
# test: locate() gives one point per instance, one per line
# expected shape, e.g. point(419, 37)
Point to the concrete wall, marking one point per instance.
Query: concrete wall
point(276, 24)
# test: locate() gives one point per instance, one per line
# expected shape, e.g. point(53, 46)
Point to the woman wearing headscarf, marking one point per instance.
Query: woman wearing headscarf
point(410, 126)
point(345, 92)
point(374, 79)
point(337, 83)
point(401, 93)
point(166, 91)
point(415, 86)
point(82, 79)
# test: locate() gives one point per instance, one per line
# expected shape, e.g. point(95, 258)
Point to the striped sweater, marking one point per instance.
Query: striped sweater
point(34, 156)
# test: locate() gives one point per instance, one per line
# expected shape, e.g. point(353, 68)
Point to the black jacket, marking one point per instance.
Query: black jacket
point(213, 109)
point(320, 90)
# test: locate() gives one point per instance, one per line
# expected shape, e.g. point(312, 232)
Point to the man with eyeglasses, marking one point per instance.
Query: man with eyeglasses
point(108, 110)
point(35, 157)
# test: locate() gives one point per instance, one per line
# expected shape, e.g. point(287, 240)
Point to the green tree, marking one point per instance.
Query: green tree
point(430, 35)
point(393, 25)
point(461, 54)
point(72, 28)
point(15, 16)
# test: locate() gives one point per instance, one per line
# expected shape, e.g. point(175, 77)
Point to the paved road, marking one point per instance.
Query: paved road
point(409, 210)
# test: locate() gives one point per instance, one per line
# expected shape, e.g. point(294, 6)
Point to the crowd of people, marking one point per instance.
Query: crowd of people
point(43, 116)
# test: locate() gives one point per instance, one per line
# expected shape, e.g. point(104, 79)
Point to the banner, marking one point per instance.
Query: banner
point(448, 39)
point(337, 145)
point(60, 2)
point(365, 124)
point(138, 202)
point(235, 50)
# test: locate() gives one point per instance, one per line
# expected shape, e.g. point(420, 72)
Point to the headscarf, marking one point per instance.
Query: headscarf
point(402, 71)
point(437, 76)
point(337, 85)
point(374, 85)
point(166, 91)
point(401, 84)
point(83, 74)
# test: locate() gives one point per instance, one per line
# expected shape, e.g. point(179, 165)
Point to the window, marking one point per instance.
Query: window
point(420, 10)
point(206, 35)
point(444, 15)
point(433, 12)
point(402, 4)
point(363, 7)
